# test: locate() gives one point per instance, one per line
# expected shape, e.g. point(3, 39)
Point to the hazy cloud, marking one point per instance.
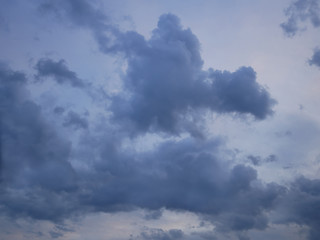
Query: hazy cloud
point(76, 121)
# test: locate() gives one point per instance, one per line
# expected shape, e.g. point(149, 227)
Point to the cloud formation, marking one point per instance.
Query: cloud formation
point(315, 59)
point(301, 11)
point(81, 13)
point(167, 84)
point(165, 79)
point(58, 71)
point(76, 121)
point(34, 159)
point(47, 175)
point(301, 205)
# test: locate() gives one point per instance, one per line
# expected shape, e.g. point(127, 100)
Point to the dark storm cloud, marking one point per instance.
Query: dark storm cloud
point(315, 59)
point(167, 84)
point(58, 71)
point(301, 11)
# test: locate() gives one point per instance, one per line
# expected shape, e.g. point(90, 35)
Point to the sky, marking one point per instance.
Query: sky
point(159, 120)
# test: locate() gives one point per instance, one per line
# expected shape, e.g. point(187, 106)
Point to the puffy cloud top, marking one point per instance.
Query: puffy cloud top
point(166, 82)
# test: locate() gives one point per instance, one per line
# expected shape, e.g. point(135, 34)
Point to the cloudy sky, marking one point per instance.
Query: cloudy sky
point(159, 119)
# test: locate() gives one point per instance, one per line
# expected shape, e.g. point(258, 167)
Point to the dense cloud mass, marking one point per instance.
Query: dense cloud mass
point(185, 176)
point(56, 164)
point(301, 205)
point(165, 78)
point(34, 160)
point(166, 82)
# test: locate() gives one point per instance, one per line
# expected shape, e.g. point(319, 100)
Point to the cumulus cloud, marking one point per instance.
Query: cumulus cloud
point(298, 12)
point(58, 71)
point(166, 88)
point(167, 84)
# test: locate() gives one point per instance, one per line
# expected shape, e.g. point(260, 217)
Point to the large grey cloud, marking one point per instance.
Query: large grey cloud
point(165, 79)
point(165, 88)
point(167, 84)
point(188, 176)
point(301, 205)
point(34, 159)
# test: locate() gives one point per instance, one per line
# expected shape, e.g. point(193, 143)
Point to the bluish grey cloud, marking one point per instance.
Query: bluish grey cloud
point(298, 12)
point(165, 78)
point(58, 110)
point(188, 175)
point(34, 167)
point(301, 11)
point(159, 234)
point(81, 13)
point(239, 92)
point(185, 175)
point(58, 71)
point(166, 82)
point(76, 121)
point(166, 88)
point(315, 59)
point(301, 205)
point(257, 160)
